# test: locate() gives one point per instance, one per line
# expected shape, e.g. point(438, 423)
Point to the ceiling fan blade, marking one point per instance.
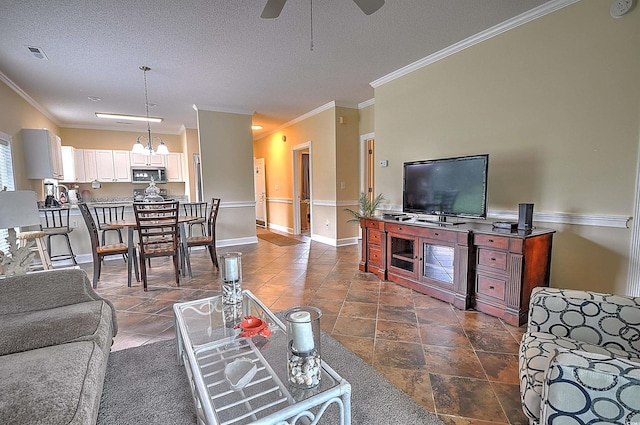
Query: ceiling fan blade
point(369, 6)
point(273, 8)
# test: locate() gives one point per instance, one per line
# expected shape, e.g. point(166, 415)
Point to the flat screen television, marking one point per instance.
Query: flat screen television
point(448, 187)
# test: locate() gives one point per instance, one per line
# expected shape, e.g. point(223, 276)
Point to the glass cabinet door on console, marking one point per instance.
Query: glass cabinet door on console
point(431, 260)
point(438, 262)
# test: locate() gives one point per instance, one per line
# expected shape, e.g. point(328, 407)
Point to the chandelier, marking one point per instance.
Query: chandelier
point(147, 146)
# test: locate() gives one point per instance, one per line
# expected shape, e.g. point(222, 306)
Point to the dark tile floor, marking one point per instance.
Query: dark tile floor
point(461, 365)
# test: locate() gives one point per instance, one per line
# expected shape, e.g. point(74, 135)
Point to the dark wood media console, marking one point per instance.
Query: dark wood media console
point(470, 265)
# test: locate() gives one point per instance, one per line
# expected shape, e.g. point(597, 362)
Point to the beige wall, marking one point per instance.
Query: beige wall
point(367, 122)
point(555, 103)
point(334, 160)
point(16, 114)
point(347, 170)
point(227, 152)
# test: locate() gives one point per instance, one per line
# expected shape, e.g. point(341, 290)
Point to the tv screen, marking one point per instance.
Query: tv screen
point(455, 187)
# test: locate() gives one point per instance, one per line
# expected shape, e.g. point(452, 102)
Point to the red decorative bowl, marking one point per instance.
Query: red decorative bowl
point(252, 326)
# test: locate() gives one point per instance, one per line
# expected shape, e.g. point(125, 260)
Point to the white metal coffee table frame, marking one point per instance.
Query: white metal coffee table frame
point(292, 413)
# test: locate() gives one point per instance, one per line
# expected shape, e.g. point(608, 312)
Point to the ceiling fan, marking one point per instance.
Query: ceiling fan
point(273, 7)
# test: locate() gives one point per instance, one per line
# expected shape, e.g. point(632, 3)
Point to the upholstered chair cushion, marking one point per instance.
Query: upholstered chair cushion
point(537, 350)
point(601, 319)
point(573, 322)
point(591, 388)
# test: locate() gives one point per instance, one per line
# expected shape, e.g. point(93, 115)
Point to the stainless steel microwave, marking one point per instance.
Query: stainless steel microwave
point(144, 174)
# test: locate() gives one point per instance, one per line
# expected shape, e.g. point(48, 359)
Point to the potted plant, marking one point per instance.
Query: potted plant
point(368, 207)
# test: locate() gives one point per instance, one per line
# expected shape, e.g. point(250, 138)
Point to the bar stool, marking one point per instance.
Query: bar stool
point(196, 209)
point(106, 215)
point(57, 224)
point(38, 237)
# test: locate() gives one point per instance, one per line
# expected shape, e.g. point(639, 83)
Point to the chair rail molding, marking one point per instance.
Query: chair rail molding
point(238, 204)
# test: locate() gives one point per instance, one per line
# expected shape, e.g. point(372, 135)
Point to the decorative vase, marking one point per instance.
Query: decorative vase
point(231, 277)
point(304, 362)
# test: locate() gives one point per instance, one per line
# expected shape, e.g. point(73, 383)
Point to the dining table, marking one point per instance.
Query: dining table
point(132, 225)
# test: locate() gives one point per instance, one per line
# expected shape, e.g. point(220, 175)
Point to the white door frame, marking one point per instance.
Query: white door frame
point(261, 198)
point(363, 146)
point(296, 185)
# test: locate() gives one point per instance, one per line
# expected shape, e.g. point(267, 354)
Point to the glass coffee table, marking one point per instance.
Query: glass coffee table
point(207, 342)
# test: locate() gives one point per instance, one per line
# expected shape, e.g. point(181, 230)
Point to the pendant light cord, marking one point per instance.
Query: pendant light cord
point(312, 25)
point(146, 103)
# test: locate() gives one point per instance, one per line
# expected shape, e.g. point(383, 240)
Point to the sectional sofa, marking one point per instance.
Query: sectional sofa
point(55, 337)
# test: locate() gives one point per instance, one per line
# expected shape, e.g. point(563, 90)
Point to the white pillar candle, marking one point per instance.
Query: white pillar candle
point(231, 269)
point(302, 333)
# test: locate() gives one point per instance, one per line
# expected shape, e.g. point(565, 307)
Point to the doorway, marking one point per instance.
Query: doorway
point(260, 188)
point(302, 189)
point(367, 165)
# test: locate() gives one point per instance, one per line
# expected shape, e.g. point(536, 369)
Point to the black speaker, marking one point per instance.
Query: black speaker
point(525, 216)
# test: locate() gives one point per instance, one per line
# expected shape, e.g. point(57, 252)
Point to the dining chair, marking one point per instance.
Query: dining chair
point(196, 209)
point(106, 215)
point(100, 251)
point(208, 240)
point(57, 224)
point(158, 234)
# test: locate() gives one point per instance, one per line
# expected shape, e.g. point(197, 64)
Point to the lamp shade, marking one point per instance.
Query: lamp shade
point(18, 208)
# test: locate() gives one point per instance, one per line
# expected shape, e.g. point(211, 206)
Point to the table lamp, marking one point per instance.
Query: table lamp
point(17, 209)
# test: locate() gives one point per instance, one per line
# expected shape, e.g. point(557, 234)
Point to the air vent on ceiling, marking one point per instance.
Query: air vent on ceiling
point(37, 52)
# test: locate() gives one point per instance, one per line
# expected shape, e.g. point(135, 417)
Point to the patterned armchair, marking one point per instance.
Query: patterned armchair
point(580, 358)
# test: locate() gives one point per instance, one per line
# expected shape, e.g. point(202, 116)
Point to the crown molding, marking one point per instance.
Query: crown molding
point(505, 26)
point(113, 128)
point(13, 86)
point(302, 117)
point(366, 103)
point(225, 109)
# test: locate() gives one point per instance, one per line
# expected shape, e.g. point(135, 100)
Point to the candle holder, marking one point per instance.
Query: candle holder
point(231, 277)
point(232, 314)
point(303, 349)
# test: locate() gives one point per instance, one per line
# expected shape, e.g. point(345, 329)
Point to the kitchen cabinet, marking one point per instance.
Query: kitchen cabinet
point(113, 166)
point(43, 154)
point(173, 163)
point(90, 166)
point(145, 160)
point(73, 165)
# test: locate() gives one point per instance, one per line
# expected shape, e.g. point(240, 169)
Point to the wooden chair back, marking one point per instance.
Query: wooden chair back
point(106, 215)
point(158, 234)
point(91, 226)
point(157, 224)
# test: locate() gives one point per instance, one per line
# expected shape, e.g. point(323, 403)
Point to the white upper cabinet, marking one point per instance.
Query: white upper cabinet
point(73, 165)
point(173, 162)
point(43, 154)
point(90, 165)
point(78, 155)
point(113, 166)
point(143, 160)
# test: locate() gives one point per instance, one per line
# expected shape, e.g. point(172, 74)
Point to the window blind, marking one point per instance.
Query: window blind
point(6, 179)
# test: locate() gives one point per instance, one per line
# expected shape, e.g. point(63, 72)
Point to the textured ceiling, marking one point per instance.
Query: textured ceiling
point(221, 54)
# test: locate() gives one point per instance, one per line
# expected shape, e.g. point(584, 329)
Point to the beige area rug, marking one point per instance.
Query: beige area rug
point(279, 240)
